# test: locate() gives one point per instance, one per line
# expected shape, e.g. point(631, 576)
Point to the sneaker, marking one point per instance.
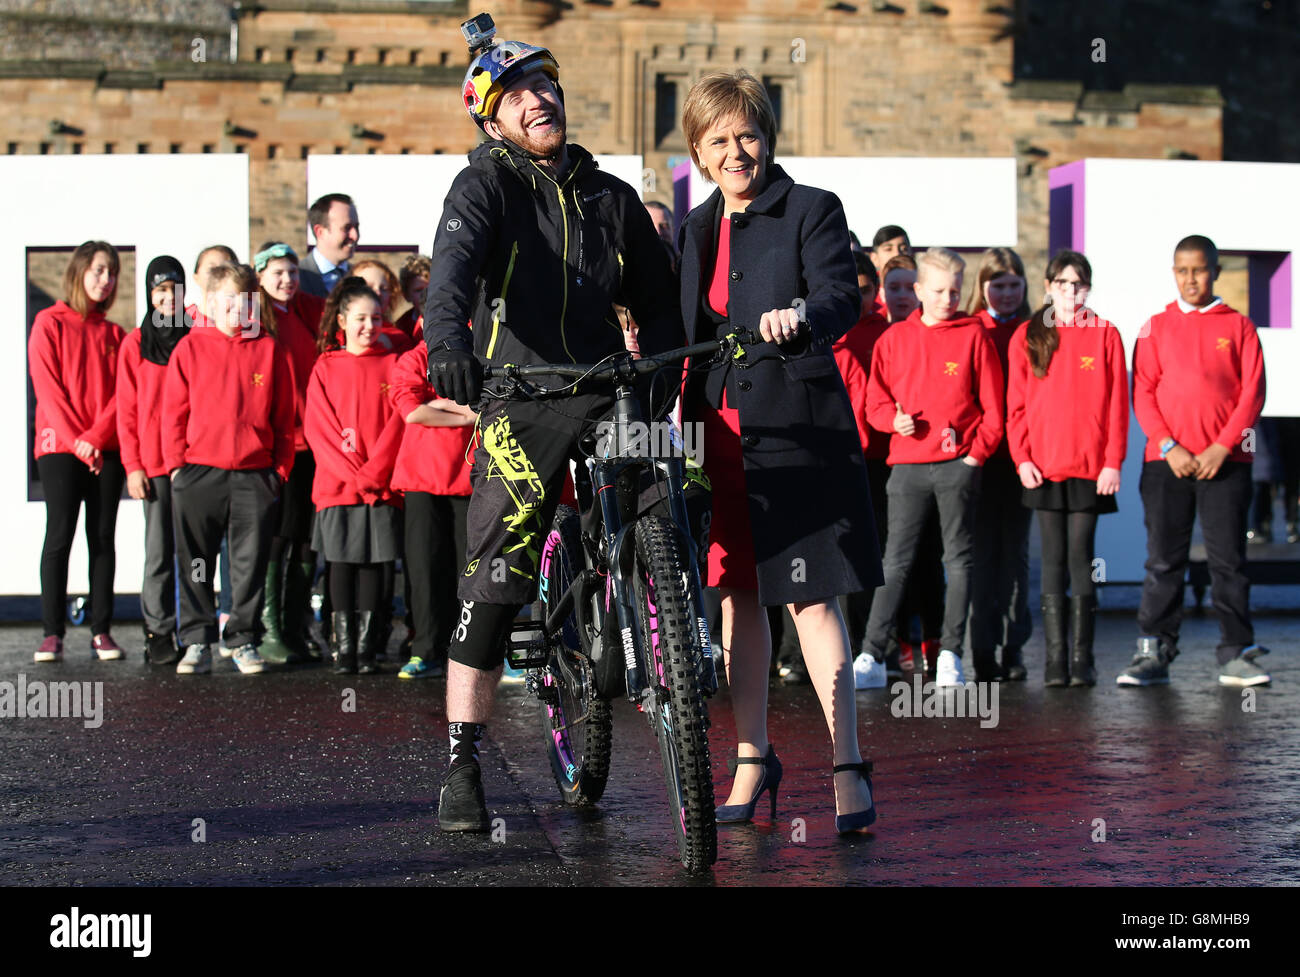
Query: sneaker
point(51, 649)
point(197, 661)
point(948, 672)
point(793, 673)
point(906, 659)
point(1253, 651)
point(419, 668)
point(869, 673)
point(1242, 672)
point(1150, 666)
point(247, 660)
point(105, 648)
point(461, 806)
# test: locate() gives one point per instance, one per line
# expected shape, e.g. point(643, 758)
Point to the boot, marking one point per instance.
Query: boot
point(297, 598)
point(930, 650)
point(986, 665)
point(161, 649)
point(345, 642)
point(369, 634)
point(1013, 664)
point(273, 648)
point(1083, 614)
point(1057, 673)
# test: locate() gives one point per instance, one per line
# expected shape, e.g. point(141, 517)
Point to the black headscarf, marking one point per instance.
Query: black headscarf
point(158, 339)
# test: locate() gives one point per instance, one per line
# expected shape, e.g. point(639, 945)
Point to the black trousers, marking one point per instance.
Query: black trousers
point(999, 608)
point(206, 504)
point(435, 556)
point(68, 484)
point(158, 589)
point(914, 492)
point(1170, 506)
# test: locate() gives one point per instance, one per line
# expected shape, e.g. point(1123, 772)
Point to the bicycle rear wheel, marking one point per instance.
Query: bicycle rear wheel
point(668, 635)
point(577, 723)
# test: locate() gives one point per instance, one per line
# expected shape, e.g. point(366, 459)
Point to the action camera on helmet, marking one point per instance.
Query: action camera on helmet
point(478, 32)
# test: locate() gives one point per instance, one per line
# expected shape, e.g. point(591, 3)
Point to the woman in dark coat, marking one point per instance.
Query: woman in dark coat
point(792, 517)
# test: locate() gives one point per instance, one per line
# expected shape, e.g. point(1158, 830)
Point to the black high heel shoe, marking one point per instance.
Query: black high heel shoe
point(849, 823)
point(770, 781)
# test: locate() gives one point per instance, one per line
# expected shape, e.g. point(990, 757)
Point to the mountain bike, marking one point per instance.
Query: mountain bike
point(621, 598)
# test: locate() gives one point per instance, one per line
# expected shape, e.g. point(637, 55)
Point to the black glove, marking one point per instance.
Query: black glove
point(456, 373)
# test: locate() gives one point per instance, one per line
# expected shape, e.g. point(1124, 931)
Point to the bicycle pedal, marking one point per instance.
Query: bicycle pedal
point(527, 646)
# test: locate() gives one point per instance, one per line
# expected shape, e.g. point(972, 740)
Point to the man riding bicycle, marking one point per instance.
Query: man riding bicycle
point(534, 247)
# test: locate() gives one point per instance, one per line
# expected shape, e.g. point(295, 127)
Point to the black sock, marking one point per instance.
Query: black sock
point(464, 743)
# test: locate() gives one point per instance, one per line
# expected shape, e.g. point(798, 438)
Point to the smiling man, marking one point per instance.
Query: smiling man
point(535, 246)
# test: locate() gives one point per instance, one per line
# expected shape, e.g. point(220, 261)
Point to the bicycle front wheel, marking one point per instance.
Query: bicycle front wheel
point(668, 636)
point(577, 723)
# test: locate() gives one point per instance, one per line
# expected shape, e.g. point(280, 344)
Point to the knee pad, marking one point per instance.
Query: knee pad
point(479, 637)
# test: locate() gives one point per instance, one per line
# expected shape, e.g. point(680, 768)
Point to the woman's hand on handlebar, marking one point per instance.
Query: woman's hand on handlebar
point(779, 325)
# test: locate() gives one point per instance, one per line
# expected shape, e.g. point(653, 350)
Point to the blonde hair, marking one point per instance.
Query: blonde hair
point(74, 277)
point(940, 259)
point(719, 96)
point(245, 280)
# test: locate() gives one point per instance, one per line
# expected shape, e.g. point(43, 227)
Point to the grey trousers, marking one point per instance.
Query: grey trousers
point(158, 589)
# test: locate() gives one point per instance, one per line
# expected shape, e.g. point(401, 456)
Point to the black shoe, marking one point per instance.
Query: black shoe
point(986, 665)
point(1013, 664)
point(1056, 674)
point(345, 642)
point(461, 806)
point(1083, 614)
point(893, 664)
point(161, 649)
point(369, 637)
point(793, 673)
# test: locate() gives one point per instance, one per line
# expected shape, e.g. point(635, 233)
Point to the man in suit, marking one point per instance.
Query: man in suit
point(333, 220)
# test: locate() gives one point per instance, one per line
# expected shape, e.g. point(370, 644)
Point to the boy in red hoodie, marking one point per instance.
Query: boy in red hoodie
point(937, 384)
point(227, 434)
point(1198, 389)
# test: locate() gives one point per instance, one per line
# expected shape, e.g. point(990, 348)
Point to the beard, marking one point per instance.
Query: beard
point(546, 142)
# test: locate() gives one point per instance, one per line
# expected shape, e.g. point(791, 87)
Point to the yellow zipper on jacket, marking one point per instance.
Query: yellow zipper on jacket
point(505, 287)
point(564, 257)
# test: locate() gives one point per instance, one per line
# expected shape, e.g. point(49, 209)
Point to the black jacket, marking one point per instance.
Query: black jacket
point(809, 504)
point(537, 264)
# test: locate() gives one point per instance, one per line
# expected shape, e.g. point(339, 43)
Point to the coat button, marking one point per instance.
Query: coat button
point(736, 276)
point(745, 385)
point(749, 440)
point(738, 222)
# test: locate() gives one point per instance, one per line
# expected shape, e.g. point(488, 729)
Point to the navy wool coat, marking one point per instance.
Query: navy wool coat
point(809, 504)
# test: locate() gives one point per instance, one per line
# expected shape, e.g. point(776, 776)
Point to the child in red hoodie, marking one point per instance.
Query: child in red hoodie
point(293, 317)
point(999, 607)
point(432, 472)
point(72, 356)
point(354, 434)
point(1067, 426)
point(227, 436)
point(1198, 389)
point(937, 384)
point(141, 374)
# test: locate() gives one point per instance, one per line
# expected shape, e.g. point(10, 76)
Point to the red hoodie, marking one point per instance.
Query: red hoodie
point(228, 402)
point(1001, 331)
point(73, 365)
point(853, 356)
point(296, 327)
point(947, 376)
point(140, 385)
point(352, 429)
point(431, 459)
point(1073, 422)
point(1198, 377)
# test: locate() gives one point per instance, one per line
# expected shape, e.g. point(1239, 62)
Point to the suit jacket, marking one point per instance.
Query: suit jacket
point(805, 477)
point(310, 279)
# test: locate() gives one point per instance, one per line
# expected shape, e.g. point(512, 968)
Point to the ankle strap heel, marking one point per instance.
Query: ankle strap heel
point(858, 820)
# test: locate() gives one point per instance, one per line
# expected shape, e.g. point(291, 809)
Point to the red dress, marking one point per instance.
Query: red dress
point(731, 539)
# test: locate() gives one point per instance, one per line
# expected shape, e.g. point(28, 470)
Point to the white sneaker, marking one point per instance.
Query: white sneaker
point(247, 660)
point(868, 673)
point(197, 661)
point(948, 672)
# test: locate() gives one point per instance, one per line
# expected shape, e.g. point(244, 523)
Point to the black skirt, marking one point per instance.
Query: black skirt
point(358, 533)
point(1071, 495)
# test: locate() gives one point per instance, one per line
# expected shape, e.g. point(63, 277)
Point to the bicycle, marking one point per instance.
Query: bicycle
point(623, 609)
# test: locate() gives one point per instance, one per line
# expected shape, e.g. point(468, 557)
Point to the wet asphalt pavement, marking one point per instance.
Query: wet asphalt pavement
point(1194, 783)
